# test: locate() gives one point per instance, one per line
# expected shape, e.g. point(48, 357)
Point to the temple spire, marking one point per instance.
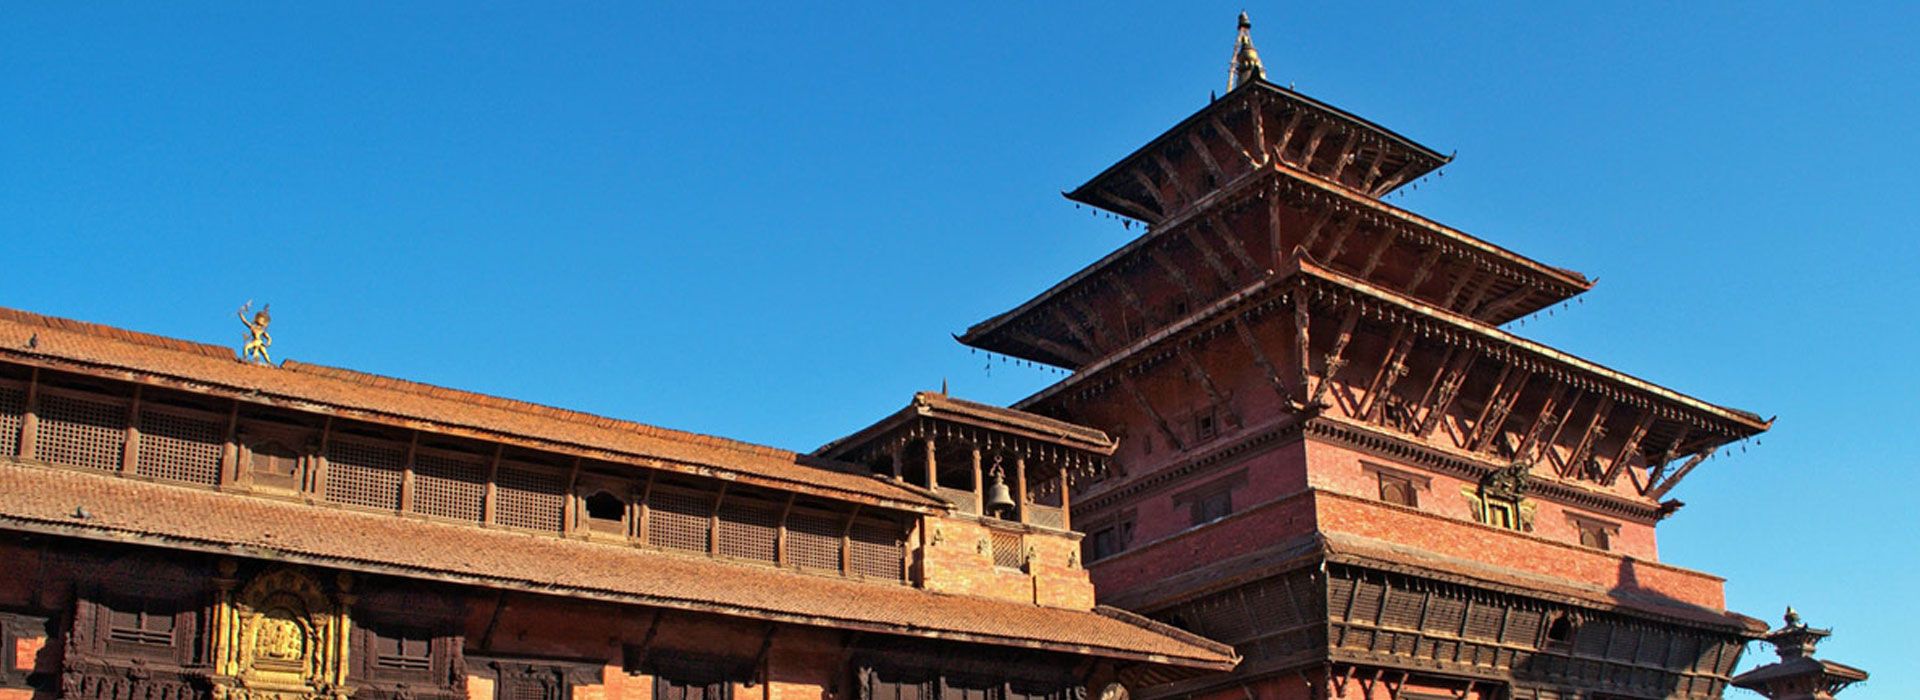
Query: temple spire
point(1246, 60)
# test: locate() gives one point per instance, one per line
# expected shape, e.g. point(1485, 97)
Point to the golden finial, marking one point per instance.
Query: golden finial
point(1245, 67)
point(258, 340)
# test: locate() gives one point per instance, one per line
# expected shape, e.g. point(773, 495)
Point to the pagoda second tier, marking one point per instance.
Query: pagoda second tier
point(1264, 212)
point(1311, 348)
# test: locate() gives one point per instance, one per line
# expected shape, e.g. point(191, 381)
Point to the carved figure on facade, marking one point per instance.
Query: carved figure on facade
point(282, 637)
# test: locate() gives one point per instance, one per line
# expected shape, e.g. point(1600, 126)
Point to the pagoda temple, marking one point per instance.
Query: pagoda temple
point(1330, 453)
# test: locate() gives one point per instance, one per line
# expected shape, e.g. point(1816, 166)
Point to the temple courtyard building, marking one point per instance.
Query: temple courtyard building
point(1295, 455)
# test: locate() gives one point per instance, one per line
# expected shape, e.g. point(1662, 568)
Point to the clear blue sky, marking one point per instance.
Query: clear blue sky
point(763, 221)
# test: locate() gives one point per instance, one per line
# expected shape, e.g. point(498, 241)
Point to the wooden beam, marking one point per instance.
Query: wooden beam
point(1501, 303)
point(1199, 373)
point(1129, 207)
point(1206, 158)
point(1313, 232)
point(1147, 406)
point(1187, 196)
point(1424, 270)
point(30, 417)
point(1080, 332)
point(1286, 134)
point(1317, 137)
point(1379, 251)
point(1543, 417)
point(1070, 354)
point(1559, 426)
point(1394, 180)
point(1392, 368)
point(1596, 427)
point(1234, 141)
point(1301, 352)
point(1373, 169)
point(1501, 406)
point(1658, 490)
point(1192, 232)
point(1340, 239)
point(1243, 329)
point(1625, 455)
point(1218, 226)
point(1459, 285)
point(130, 442)
point(1347, 152)
point(1449, 390)
point(1479, 293)
point(1335, 359)
point(1153, 190)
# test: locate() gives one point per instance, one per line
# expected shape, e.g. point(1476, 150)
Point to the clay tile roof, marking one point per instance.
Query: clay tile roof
point(928, 404)
point(44, 500)
point(88, 347)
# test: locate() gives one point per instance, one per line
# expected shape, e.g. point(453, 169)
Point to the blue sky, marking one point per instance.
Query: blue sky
point(764, 220)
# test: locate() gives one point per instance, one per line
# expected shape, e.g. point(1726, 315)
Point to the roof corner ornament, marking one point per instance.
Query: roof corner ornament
point(1246, 66)
point(258, 340)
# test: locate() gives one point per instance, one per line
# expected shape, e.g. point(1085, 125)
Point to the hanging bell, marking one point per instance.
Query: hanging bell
point(999, 497)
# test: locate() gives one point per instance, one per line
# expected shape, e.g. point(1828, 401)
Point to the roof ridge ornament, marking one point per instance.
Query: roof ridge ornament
point(1245, 67)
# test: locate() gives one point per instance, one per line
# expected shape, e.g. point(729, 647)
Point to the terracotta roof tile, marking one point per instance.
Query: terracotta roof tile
point(44, 499)
point(92, 346)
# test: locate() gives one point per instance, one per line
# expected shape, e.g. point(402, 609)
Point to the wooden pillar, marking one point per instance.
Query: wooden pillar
point(1066, 499)
point(317, 473)
point(130, 450)
point(713, 521)
point(406, 473)
point(979, 485)
point(933, 466)
point(491, 497)
point(30, 419)
point(230, 454)
point(1020, 487)
point(570, 501)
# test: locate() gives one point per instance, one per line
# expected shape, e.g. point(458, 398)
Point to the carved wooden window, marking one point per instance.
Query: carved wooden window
point(270, 462)
point(749, 528)
point(1210, 501)
point(679, 519)
point(449, 485)
point(1501, 514)
point(177, 446)
point(529, 497)
point(137, 624)
point(685, 676)
point(365, 472)
point(81, 432)
point(813, 539)
point(403, 651)
point(1206, 424)
point(534, 680)
point(1009, 549)
point(877, 547)
point(13, 403)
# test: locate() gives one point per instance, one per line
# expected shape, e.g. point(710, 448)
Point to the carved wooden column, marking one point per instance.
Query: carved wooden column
point(1020, 487)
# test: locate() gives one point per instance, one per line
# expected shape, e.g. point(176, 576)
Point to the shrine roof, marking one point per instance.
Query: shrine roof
point(1740, 422)
point(930, 404)
point(123, 354)
point(45, 500)
point(1424, 159)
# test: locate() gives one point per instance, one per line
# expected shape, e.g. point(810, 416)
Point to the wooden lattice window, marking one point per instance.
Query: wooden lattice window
point(449, 486)
point(12, 409)
point(749, 528)
point(1009, 549)
point(813, 539)
point(877, 548)
point(179, 447)
point(364, 473)
point(272, 463)
point(81, 433)
point(529, 498)
point(679, 519)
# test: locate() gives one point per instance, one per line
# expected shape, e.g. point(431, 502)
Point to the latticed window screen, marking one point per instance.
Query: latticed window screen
point(13, 404)
point(448, 486)
point(678, 519)
point(749, 529)
point(529, 498)
point(181, 448)
point(81, 433)
point(813, 539)
point(1402, 609)
point(878, 549)
point(364, 473)
point(1008, 549)
point(1483, 621)
point(1366, 601)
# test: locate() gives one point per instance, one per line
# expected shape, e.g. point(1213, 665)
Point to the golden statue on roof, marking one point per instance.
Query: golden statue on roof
point(258, 340)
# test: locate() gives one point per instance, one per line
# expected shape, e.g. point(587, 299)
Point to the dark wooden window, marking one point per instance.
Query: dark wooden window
point(1206, 425)
point(1398, 490)
point(1110, 540)
point(965, 688)
point(606, 513)
point(671, 689)
point(272, 463)
point(1212, 506)
point(403, 651)
point(139, 624)
point(1502, 514)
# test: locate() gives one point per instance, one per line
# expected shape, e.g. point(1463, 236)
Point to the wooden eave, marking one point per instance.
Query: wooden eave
point(912, 500)
point(1555, 284)
point(933, 407)
point(1305, 275)
point(1096, 191)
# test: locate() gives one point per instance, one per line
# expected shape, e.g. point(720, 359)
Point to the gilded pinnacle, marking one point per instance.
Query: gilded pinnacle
point(1246, 59)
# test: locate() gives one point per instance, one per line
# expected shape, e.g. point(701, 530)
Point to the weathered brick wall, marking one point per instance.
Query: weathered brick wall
point(958, 558)
point(1241, 533)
